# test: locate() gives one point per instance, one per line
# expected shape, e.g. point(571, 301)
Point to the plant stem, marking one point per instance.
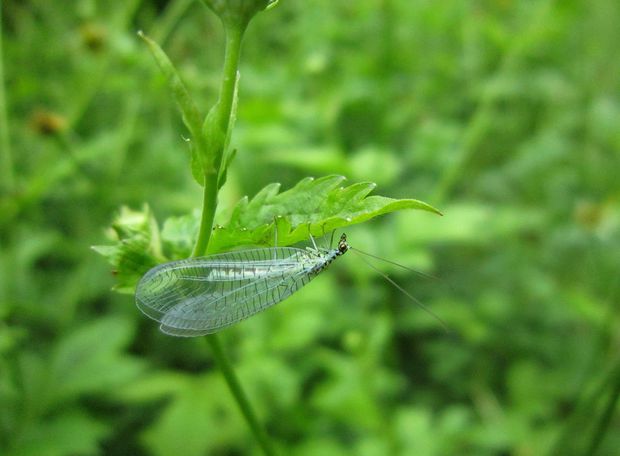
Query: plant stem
point(7, 178)
point(234, 35)
point(209, 204)
point(223, 108)
point(240, 396)
point(223, 112)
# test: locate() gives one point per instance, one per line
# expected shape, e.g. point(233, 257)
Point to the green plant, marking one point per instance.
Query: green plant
point(505, 111)
point(311, 207)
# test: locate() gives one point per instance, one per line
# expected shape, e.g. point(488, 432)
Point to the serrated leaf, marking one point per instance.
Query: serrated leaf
point(315, 206)
point(137, 247)
point(179, 235)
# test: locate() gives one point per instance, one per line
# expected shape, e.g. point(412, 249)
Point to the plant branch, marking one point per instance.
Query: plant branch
point(209, 204)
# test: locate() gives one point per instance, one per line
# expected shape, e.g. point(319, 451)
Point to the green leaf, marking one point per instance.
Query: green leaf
point(70, 432)
point(137, 247)
point(196, 166)
point(152, 387)
point(229, 155)
point(215, 139)
point(199, 412)
point(179, 235)
point(224, 171)
point(40, 405)
point(91, 359)
point(232, 118)
point(191, 115)
point(315, 206)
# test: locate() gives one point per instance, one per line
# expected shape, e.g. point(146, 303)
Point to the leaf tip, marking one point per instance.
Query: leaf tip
point(435, 210)
point(143, 37)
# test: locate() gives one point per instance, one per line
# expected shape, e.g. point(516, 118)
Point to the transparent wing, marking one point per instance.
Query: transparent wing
point(194, 318)
point(243, 263)
point(202, 295)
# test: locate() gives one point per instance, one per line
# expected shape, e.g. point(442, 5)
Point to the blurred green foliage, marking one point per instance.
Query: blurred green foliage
point(503, 114)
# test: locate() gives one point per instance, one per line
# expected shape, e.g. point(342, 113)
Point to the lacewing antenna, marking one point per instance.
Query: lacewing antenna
point(407, 268)
point(397, 286)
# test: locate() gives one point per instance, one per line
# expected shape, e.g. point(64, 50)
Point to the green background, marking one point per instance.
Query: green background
point(503, 114)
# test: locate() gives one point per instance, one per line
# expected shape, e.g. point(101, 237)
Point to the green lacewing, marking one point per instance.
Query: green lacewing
point(204, 295)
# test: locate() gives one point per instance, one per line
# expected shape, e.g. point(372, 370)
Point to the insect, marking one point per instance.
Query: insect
point(204, 295)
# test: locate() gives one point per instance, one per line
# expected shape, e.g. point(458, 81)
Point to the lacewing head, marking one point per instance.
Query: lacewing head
point(343, 246)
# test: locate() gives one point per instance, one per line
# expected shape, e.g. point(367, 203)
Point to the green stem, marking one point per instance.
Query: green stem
point(240, 396)
point(223, 112)
point(223, 108)
point(209, 204)
point(7, 178)
point(234, 35)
